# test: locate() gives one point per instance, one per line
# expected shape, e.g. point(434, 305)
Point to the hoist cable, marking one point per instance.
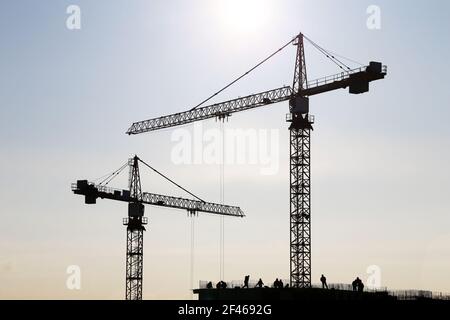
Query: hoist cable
point(329, 55)
point(243, 75)
point(170, 180)
point(112, 175)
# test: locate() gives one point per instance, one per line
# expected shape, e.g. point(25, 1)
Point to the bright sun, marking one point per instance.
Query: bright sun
point(243, 15)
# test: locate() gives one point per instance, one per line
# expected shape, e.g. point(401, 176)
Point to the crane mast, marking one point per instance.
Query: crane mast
point(300, 175)
point(135, 235)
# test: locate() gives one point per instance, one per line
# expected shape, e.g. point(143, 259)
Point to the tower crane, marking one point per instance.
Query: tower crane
point(135, 222)
point(357, 80)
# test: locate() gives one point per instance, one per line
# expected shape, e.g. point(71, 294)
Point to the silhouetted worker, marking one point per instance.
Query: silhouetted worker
point(259, 284)
point(209, 285)
point(324, 282)
point(276, 283)
point(280, 284)
point(360, 286)
point(223, 285)
point(246, 282)
point(218, 285)
point(355, 284)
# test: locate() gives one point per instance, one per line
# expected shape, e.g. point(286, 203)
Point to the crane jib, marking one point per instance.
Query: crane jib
point(212, 111)
point(357, 80)
point(92, 192)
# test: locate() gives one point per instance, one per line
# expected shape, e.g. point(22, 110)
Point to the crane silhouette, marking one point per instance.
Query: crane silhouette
point(357, 80)
point(136, 220)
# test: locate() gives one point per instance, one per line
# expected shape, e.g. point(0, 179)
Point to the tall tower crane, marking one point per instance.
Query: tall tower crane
point(135, 222)
point(357, 80)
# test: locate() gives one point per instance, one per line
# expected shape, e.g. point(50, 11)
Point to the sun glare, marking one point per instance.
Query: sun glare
point(243, 15)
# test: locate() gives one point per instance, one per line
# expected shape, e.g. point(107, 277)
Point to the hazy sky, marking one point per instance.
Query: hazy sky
point(380, 173)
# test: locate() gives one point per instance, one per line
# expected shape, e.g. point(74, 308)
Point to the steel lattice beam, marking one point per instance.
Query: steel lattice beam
point(300, 208)
point(300, 175)
point(134, 263)
point(300, 81)
point(223, 109)
point(93, 191)
point(135, 235)
point(216, 110)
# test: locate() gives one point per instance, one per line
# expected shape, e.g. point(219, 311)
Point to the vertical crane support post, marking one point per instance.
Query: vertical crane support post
point(300, 175)
point(135, 235)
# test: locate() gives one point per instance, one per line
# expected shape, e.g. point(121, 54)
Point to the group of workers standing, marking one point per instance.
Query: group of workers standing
point(260, 284)
point(357, 284)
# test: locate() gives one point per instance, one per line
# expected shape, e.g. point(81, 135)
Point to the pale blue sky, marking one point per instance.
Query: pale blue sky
point(380, 160)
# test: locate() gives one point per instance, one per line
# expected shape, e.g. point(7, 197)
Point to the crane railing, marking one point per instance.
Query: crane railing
point(338, 77)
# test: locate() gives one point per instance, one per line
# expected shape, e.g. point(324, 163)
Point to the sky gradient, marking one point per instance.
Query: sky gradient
point(380, 176)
